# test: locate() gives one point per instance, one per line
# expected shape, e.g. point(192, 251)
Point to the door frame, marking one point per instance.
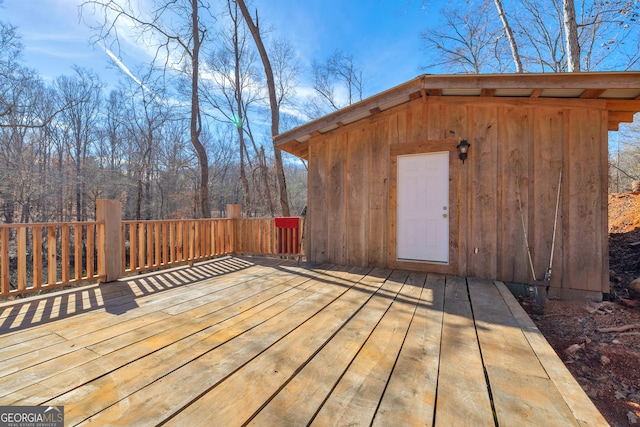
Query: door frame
point(426, 147)
point(417, 207)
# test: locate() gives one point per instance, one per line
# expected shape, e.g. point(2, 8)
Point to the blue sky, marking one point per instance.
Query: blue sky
point(52, 36)
point(382, 35)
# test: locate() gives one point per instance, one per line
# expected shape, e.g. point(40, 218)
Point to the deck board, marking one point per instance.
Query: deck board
point(462, 394)
point(583, 409)
point(410, 396)
point(355, 397)
point(204, 365)
point(267, 373)
point(522, 392)
point(265, 342)
point(188, 333)
point(313, 384)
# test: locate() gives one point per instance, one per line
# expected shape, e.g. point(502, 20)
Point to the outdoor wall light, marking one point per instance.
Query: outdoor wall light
point(463, 147)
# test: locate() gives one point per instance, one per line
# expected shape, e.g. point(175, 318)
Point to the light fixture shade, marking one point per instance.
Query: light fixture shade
point(463, 148)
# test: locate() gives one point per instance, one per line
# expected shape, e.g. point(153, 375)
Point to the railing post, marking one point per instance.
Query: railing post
point(109, 215)
point(234, 212)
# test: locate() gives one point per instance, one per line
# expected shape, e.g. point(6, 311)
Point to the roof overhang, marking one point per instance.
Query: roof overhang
point(619, 91)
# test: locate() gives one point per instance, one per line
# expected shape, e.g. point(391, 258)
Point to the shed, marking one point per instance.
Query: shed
point(387, 187)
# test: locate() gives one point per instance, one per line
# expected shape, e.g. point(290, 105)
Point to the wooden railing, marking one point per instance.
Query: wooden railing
point(156, 244)
point(150, 245)
point(36, 257)
point(256, 237)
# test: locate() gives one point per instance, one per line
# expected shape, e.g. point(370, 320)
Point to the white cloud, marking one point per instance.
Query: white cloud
point(126, 70)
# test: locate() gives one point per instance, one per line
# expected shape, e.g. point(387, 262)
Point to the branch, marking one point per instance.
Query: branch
point(44, 123)
point(619, 328)
point(624, 172)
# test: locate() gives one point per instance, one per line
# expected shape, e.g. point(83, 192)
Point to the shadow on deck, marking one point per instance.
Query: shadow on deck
point(115, 297)
point(239, 341)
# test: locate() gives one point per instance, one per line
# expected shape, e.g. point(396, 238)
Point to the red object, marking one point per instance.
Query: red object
point(288, 235)
point(288, 222)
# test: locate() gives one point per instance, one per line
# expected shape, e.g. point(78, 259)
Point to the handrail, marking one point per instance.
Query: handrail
point(40, 256)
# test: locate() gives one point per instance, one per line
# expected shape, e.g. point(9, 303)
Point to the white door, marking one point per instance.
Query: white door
point(423, 207)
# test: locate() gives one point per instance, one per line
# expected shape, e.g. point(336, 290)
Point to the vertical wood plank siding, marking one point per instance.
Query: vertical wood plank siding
point(336, 199)
point(517, 146)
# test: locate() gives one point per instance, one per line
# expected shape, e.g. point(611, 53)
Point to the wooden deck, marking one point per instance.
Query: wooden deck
point(264, 342)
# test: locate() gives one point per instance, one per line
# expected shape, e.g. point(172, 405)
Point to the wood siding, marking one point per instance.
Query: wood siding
point(518, 147)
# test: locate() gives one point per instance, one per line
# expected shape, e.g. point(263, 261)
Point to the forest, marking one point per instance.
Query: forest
point(191, 132)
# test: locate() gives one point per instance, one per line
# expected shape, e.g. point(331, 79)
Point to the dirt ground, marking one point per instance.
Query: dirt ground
point(600, 342)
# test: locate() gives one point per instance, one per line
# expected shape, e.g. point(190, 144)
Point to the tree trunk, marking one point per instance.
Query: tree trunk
point(196, 120)
point(571, 36)
point(26, 212)
point(243, 176)
point(8, 206)
point(60, 188)
point(273, 101)
point(264, 172)
point(512, 41)
point(139, 199)
point(240, 120)
point(78, 189)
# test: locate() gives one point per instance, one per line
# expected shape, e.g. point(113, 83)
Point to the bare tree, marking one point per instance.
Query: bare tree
point(571, 35)
point(234, 91)
point(601, 40)
point(286, 71)
point(10, 50)
point(224, 167)
point(624, 157)
point(21, 150)
point(633, 56)
point(608, 34)
point(177, 43)
point(541, 29)
point(147, 117)
point(546, 35)
point(337, 82)
point(470, 41)
point(274, 102)
point(111, 149)
point(82, 93)
point(14, 76)
point(510, 37)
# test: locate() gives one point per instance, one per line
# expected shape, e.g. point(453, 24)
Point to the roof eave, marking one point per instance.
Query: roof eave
point(571, 85)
